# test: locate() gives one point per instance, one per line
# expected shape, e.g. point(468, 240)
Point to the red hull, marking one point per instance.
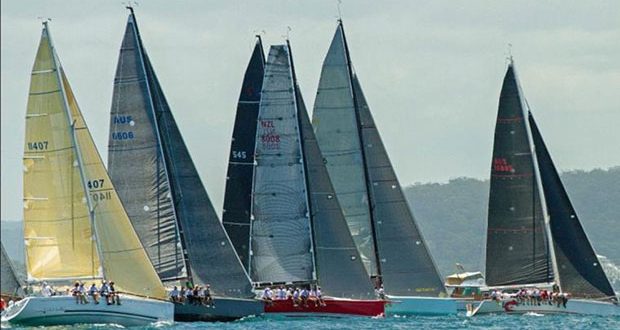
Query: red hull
point(333, 307)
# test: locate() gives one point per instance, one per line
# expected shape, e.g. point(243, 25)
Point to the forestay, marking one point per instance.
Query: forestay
point(281, 247)
point(337, 133)
point(238, 195)
point(407, 267)
point(517, 248)
point(580, 272)
point(210, 254)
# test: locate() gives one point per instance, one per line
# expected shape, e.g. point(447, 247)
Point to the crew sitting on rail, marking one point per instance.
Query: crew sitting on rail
point(267, 296)
point(94, 292)
point(296, 298)
point(47, 290)
point(182, 294)
point(115, 296)
point(319, 296)
point(77, 293)
point(206, 293)
point(281, 293)
point(174, 294)
point(189, 295)
point(304, 296)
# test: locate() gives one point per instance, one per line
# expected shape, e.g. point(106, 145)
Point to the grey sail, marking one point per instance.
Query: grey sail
point(9, 283)
point(212, 258)
point(238, 194)
point(336, 130)
point(517, 250)
point(340, 270)
point(136, 164)
point(407, 267)
point(281, 241)
point(208, 250)
point(580, 271)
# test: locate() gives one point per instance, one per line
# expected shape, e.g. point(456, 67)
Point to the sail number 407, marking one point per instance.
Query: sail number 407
point(94, 184)
point(39, 145)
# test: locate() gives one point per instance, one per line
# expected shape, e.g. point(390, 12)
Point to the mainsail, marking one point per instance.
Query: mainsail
point(190, 221)
point(9, 283)
point(338, 136)
point(238, 195)
point(71, 207)
point(281, 239)
point(377, 212)
point(580, 271)
point(517, 247)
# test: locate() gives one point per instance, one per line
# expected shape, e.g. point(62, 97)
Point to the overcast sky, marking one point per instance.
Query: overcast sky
point(431, 71)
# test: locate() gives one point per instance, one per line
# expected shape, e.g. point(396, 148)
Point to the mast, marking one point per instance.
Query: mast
point(65, 103)
point(363, 153)
point(160, 146)
point(303, 159)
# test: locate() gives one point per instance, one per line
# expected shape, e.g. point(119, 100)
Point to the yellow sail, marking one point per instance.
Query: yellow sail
point(67, 189)
point(57, 227)
point(124, 258)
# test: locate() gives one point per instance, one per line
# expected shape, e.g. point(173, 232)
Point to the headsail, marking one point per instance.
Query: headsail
point(407, 267)
point(209, 252)
point(9, 283)
point(337, 133)
point(124, 258)
point(238, 195)
point(579, 269)
point(517, 246)
point(281, 239)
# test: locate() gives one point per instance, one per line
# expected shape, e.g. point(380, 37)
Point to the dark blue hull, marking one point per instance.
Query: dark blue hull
point(224, 309)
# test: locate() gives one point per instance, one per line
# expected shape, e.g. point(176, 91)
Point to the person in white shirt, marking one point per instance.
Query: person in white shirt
point(94, 292)
point(267, 296)
point(174, 294)
point(46, 290)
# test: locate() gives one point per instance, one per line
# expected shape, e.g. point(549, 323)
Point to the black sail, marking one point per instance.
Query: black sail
point(238, 194)
point(407, 267)
point(579, 269)
point(340, 270)
point(136, 164)
point(9, 283)
point(517, 247)
point(209, 252)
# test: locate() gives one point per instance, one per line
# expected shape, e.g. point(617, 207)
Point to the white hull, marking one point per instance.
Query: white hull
point(573, 306)
point(405, 305)
point(63, 310)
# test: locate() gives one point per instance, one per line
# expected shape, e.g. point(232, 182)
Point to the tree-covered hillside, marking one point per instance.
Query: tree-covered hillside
point(452, 216)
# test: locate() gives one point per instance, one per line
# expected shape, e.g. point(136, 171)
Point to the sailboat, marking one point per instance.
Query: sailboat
point(75, 227)
point(10, 285)
point(379, 218)
point(534, 237)
point(298, 235)
point(238, 193)
point(164, 196)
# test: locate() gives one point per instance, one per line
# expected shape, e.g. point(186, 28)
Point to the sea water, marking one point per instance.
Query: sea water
point(527, 321)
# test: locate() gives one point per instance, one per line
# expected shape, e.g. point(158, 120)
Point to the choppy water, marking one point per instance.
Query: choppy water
point(530, 321)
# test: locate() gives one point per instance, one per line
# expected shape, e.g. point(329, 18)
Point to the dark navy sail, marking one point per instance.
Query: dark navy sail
point(209, 252)
point(136, 163)
point(340, 270)
point(580, 271)
point(238, 195)
point(517, 248)
point(9, 283)
point(407, 267)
